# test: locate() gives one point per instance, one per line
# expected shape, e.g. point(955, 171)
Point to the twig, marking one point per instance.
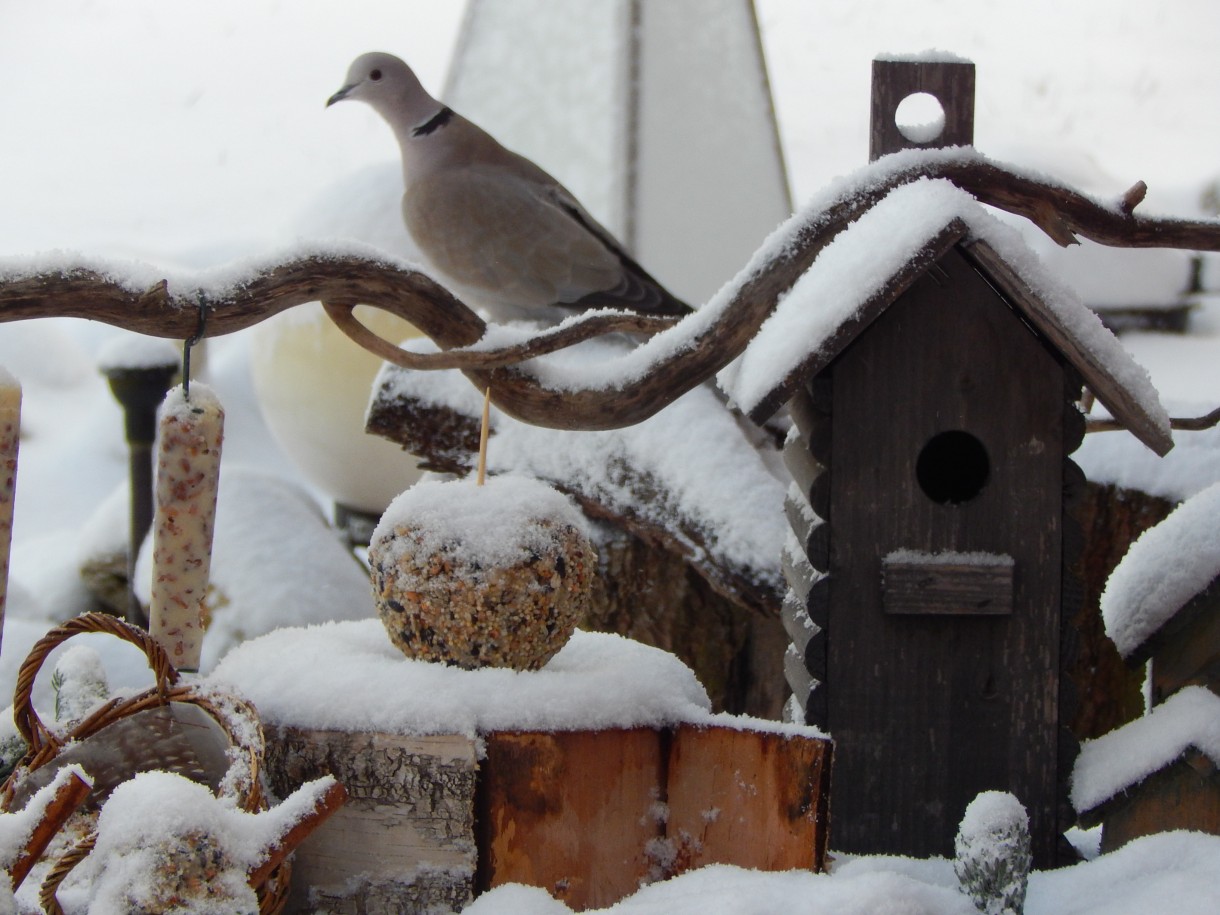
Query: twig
point(68, 797)
point(1185, 424)
point(331, 800)
point(1133, 198)
point(481, 476)
point(345, 281)
point(585, 327)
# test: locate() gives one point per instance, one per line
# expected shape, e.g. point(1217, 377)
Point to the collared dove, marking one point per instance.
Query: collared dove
point(496, 227)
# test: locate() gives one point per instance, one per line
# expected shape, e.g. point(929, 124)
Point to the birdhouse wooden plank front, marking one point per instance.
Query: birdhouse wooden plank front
point(947, 475)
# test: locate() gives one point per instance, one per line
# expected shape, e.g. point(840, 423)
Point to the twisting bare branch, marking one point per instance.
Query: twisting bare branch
point(1184, 423)
point(584, 327)
point(344, 281)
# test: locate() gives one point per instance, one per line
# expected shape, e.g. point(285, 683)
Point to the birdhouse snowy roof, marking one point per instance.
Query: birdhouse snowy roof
point(864, 270)
point(1116, 762)
point(1164, 575)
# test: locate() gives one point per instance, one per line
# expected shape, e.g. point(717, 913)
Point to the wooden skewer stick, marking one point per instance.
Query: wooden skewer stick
point(482, 473)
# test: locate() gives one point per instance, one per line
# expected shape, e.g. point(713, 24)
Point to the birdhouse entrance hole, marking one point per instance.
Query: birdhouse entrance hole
point(952, 467)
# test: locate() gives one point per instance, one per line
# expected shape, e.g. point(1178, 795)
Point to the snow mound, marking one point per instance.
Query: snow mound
point(1126, 756)
point(275, 562)
point(1167, 566)
point(348, 676)
point(480, 526)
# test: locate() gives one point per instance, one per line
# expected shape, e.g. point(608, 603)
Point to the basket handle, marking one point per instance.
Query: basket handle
point(36, 734)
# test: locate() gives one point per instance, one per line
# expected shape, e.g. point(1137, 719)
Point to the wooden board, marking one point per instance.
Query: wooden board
point(955, 588)
point(746, 798)
point(927, 711)
point(1186, 651)
point(950, 82)
point(1185, 795)
point(587, 815)
point(404, 841)
point(573, 812)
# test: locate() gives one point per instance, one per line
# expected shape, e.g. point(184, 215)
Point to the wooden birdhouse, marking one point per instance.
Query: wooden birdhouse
point(933, 387)
point(1161, 607)
point(1157, 773)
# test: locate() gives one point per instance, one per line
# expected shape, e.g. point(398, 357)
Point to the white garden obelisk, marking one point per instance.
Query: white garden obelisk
point(656, 115)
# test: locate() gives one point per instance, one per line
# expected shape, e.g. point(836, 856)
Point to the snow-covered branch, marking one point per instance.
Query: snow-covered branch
point(671, 363)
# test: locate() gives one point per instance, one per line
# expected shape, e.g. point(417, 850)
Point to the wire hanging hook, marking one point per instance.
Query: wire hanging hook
point(200, 332)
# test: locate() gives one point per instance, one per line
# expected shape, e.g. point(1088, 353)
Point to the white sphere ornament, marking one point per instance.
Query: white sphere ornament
point(313, 386)
point(497, 575)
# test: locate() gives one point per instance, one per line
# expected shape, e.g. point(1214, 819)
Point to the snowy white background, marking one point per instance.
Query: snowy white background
point(191, 134)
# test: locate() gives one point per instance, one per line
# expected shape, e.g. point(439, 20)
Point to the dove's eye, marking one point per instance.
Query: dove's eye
point(375, 75)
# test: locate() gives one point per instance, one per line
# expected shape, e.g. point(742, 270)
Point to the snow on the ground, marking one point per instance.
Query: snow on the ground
point(1166, 566)
point(1173, 872)
point(1170, 872)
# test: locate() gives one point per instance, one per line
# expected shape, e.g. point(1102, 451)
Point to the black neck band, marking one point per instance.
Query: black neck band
point(437, 121)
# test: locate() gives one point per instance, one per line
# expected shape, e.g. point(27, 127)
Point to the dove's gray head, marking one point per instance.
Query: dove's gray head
point(390, 87)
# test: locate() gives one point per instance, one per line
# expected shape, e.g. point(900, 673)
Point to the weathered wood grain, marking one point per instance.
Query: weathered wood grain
point(1184, 795)
point(927, 711)
point(1186, 651)
point(750, 799)
point(576, 812)
point(954, 588)
point(950, 82)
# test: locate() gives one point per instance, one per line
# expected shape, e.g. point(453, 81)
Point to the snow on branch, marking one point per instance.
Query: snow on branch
point(644, 381)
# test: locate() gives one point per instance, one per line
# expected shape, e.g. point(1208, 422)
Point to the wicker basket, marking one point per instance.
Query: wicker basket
point(235, 717)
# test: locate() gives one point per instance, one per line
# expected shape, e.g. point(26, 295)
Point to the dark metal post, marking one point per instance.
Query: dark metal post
point(140, 391)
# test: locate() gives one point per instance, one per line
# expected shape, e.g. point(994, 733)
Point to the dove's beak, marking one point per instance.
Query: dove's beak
point(340, 95)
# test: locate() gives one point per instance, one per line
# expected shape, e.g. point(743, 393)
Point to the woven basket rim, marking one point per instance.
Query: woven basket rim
point(236, 717)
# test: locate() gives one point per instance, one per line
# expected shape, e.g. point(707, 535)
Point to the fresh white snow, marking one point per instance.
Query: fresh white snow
point(1126, 756)
point(479, 526)
point(155, 820)
point(857, 263)
point(275, 562)
point(1167, 873)
point(348, 676)
point(1166, 566)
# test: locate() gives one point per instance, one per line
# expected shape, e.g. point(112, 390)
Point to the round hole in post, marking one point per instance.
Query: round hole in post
point(920, 117)
point(953, 467)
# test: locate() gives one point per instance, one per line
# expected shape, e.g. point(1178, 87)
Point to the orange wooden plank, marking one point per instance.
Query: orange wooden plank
point(753, 799)
point(572, 812)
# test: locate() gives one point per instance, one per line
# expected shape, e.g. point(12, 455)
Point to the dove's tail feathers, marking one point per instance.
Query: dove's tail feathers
point(636, 291)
